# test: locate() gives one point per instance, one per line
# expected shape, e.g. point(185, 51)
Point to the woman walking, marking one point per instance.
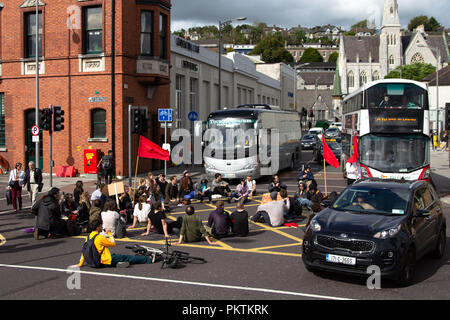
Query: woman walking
point(16, 181)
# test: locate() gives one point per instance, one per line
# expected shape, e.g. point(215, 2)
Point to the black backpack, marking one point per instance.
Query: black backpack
point(91, 256)
point(107, 163)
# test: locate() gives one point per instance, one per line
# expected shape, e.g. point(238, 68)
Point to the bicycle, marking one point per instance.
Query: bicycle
point(155, 254)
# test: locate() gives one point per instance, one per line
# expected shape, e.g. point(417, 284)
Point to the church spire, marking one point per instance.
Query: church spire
point(390, 14)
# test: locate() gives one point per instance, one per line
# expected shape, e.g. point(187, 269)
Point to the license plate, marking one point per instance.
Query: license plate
point(230, 175)
point(341, 259)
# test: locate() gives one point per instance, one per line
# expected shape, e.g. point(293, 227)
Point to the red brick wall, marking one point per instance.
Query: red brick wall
point(63, 84)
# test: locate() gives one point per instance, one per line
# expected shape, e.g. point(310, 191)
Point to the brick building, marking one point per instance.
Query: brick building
point(95, 58)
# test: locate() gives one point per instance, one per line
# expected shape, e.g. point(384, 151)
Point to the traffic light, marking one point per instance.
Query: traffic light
point(58, 118)
point(46, 119)
point(139, 121)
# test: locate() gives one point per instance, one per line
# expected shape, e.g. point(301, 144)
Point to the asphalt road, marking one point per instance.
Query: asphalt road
point(264, 266)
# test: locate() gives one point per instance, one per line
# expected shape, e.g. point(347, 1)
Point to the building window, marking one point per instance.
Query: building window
point(98, 123)
point(179, 80)
point(362, 78)
point(2, 121)
point(147, 33)
point(163, 36)
point(93, 30)
point(351, 79)
point(30, 46)
point(193, 93)
point(417, 58)
point(391, 60)
point(375, 76)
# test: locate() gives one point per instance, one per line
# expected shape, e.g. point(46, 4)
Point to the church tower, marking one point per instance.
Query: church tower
point(391, 55)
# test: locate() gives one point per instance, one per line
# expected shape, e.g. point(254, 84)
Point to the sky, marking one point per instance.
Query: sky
point(291, 13)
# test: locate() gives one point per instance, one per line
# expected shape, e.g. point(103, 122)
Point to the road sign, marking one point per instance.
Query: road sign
point(35, 130)
point(35, 139)
point(166, 146)
point(165, 115)
point(193, 116)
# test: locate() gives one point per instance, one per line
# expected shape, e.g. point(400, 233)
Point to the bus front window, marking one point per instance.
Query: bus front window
point(394, 95)
point(398, 154)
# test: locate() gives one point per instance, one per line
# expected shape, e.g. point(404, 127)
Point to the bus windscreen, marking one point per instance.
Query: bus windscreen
point(397, 95)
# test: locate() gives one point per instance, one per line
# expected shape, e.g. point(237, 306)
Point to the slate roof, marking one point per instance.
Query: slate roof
point(444, 77)
point(324, 77)
point(363, 46)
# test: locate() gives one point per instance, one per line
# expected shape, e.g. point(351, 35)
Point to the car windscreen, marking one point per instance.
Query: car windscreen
point(376, 200)
point(308, 137)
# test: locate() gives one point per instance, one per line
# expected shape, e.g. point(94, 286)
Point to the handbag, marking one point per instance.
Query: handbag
point(8, 197)
point(14, 184)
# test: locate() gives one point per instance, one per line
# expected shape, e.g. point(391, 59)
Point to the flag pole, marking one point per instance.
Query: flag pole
point(325, 171)
point(136, 171)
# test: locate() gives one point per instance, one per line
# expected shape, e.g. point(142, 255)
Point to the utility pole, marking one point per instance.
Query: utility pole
point(37, 85)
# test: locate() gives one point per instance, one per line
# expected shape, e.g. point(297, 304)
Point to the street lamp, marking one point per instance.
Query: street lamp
point(223, 24)
point(438, 63)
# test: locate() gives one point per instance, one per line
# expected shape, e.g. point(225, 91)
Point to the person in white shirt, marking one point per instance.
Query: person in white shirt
point(272, 212)
point(251, 185)
point(141, 211)
point(110, 216)
point(16, 181)
point(353, 170)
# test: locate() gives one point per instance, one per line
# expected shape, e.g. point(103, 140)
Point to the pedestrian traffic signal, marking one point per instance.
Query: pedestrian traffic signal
point(46, 119)
point(58, 118)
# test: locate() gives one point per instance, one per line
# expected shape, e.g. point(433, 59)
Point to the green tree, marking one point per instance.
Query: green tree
point(361, 24)
point(430, 24)
point(311, 55)
point(333, 57)
point(416, 71)
point(271, 48)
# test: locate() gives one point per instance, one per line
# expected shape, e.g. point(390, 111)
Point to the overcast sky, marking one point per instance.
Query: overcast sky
point(308, 13)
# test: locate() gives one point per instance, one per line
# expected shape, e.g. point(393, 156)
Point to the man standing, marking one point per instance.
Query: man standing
point(106, 163)
point(33, 180)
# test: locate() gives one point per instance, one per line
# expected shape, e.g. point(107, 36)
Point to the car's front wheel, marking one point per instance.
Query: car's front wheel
point(407, 273)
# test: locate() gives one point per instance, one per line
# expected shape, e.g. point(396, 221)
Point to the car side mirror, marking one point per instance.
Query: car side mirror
point(421, 213)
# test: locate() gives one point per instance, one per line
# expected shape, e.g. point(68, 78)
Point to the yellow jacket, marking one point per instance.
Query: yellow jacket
point(102, 243)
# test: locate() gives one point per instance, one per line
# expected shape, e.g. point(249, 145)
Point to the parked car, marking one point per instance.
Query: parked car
point(335, 146)
point(309, 141)
point(333, 132)
point(318, 131)
point(386, 223)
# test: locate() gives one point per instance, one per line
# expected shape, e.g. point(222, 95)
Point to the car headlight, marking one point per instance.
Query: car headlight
point(387, 233)
point(315, 226)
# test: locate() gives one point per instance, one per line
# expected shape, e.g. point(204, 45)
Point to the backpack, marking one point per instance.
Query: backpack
point(90, 253)
point(121, 229)
point(107, 163)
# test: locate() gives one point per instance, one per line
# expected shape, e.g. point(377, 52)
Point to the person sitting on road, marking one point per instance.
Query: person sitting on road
point(157, 220)
point(306, 176)
point(203, 190)
point(140, 213)
point(95, 213)
point(220, 187)
point(272, 213)
point(172, 191)
point(314, 194)
point(287, 203)
point(110, 216)
point(302, 195)
point(186, 184)
point(239, 221)
point(251, 184)
point(100, 194)
point(276, 185)
point(103, 242)
point(241, 193)
point(192, 229)
point(68, 206)
point(219, 221)
point(48, 212)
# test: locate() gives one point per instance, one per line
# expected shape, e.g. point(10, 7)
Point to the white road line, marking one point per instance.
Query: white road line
point(307, 295)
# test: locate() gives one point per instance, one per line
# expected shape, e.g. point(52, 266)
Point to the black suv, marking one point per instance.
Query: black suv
point(387, 223)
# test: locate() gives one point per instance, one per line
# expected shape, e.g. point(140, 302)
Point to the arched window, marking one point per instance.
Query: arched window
point(351, 79)
point(375, 76)
point(417, 58)
point(391, 60)
point(362, 78)
point(98, 123)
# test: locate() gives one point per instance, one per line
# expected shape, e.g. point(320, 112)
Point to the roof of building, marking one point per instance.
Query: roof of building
point(364, 47)
point(323, 78)
point(444, 77)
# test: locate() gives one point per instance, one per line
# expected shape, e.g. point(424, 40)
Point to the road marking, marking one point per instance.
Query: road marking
point(191, 283)
point(2, 240)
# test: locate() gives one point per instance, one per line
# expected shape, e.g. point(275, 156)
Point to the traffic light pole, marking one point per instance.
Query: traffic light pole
point(129, 146)
point(50, 132)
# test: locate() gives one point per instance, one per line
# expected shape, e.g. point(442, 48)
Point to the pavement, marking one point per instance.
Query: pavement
point(440, 173)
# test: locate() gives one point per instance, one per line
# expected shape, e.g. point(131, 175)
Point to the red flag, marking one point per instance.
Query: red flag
point(355, 156)
point(148, 149)
point(328, 155)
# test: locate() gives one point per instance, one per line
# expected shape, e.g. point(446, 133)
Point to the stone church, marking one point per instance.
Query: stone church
point(367, 58)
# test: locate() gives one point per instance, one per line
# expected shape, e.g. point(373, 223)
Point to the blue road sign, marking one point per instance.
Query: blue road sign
point(165, 115)
point(193, 116)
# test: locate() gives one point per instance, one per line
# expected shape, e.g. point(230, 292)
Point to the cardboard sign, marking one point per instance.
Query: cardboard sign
point(116, 188)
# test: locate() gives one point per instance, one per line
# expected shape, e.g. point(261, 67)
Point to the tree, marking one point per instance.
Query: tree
point(430, 24)
point(311, 55)
point(333, 57)
point(271, 48)
point(416, 71)
point(361, 24)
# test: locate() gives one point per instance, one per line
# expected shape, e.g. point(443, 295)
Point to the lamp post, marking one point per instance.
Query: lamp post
point(37, 162)
point(223, 24)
